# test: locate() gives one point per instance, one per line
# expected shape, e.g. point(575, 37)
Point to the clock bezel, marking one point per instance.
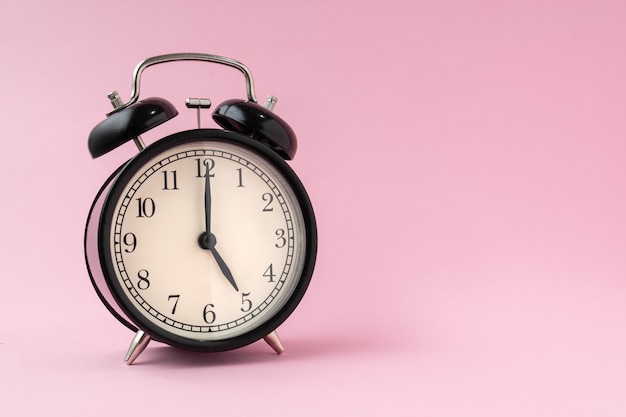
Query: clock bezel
point(135, 315)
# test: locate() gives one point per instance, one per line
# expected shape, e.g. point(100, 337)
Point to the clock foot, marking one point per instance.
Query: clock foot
point(139, 343)
point(273, 340)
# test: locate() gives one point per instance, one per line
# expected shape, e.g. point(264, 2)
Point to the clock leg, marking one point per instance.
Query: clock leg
point(273, 340)
point(139, 343)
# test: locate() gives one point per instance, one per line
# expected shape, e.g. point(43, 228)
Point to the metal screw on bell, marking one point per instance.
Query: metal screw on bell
point(270, 102)
point(116, 101)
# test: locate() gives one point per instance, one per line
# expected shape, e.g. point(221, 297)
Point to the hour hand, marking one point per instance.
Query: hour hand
point(224, 268)
point(208, 241)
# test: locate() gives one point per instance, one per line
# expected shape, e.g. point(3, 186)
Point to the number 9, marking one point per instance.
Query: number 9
point(130, 240)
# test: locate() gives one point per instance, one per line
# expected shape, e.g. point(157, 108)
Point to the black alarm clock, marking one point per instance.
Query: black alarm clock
point(206, 239)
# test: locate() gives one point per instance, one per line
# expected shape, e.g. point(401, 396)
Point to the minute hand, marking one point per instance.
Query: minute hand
point(209, 238)
point(207, 203)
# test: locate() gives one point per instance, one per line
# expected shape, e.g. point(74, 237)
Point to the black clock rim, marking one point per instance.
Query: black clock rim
point(92, 277)
point(106, 259)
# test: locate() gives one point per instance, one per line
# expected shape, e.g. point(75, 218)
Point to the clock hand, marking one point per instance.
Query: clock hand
point(220, 261)
point(207, 239)
point(207, 204)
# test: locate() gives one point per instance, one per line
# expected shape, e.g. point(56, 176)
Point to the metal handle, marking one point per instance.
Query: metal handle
point(134, 93)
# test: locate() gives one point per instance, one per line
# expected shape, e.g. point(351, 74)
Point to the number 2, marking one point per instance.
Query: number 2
point(268, 197)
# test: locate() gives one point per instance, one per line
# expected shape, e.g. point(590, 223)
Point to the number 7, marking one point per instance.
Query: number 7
point(176, 297)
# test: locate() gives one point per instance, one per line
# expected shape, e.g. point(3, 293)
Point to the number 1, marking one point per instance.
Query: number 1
point(239, 170)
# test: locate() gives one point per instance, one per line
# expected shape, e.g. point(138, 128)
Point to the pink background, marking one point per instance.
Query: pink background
point(466, 161)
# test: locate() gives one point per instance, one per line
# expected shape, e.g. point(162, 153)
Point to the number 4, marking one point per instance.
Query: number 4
point(269, 272)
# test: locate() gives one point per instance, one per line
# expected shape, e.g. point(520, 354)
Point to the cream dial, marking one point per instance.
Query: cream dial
point(156, 238)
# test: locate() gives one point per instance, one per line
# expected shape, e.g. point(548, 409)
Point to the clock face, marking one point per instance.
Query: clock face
point(206, 240)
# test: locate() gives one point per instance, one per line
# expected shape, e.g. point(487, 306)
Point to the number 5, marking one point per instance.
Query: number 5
point(247, 304)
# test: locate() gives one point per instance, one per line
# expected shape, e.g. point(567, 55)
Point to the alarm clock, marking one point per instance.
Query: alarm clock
point(206, 239)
